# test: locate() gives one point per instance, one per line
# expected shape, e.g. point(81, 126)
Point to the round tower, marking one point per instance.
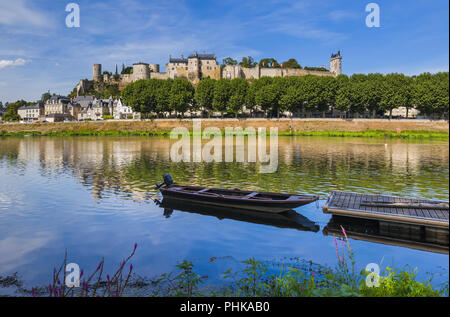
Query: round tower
point(154, 68)
point(336, 63)
point(97, 72)
point(141, 71)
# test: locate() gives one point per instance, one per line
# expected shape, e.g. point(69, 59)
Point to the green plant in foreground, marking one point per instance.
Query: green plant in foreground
point(254, 280)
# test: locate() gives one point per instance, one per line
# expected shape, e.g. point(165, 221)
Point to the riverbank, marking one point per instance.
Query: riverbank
point(295, 127)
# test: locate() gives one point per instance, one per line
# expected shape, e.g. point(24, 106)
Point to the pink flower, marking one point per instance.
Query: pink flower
point(337, 250)
point(343, 231)
point(135, 246)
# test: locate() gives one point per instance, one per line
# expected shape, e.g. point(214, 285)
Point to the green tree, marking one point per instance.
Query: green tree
point(11, 110)
point(163, 91)
point(127, 70)
point(73, 94)
point(140, 97)
point(343, 98)
point(430, 93)
point(204, 94)
point(45, 96)
point(229, 61)
point(267, 98)
point(373, 91)
point(253, 89)
point(396, 92)
point(291, 63)
point(269, 62)
point(239, 88)
point(181, 96)
point(248, 62)
point(222, 94)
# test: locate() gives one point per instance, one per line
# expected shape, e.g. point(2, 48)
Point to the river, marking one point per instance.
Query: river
point(91, 197)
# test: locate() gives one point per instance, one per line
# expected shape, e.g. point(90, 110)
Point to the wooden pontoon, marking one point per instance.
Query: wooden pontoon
point(430, 213)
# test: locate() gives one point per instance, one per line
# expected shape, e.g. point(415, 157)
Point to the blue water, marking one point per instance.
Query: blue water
point(90, 196)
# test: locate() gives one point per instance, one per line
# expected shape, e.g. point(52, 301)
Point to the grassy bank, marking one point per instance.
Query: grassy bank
point(359, 134)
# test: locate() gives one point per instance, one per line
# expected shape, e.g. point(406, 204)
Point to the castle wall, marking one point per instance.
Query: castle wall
point(271, 72)
point(154, 68)
point(195, 68)
point(251, 73)
point(159, 75)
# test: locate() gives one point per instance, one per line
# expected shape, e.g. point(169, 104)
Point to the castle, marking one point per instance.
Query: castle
point(197, 66)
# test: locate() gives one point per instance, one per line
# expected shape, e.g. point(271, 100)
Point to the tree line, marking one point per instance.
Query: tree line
point(360, 94)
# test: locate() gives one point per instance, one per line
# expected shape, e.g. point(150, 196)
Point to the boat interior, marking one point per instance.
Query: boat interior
point(232, 193)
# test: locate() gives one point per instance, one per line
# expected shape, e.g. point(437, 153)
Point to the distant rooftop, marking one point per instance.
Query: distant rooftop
point(338, 54)
point(37, 106)
point(202, 56)
point(182, 59)
point(178, 60)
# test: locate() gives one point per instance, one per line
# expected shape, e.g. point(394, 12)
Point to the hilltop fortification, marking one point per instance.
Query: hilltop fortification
point(197, 66)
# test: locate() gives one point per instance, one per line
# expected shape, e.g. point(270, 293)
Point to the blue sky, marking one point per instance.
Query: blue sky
point(39, 53)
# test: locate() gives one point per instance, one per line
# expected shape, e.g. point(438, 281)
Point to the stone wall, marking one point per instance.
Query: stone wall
point(236, 71)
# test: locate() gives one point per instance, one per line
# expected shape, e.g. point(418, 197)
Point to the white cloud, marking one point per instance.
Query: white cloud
point(19, 12)
point(12, 63)
point(339, 15)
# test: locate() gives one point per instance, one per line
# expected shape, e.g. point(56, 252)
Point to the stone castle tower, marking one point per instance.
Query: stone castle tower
point(336, 63)
point(97, 72)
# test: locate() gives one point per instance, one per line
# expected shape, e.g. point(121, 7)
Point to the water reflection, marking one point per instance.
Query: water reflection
point(309, 165)
point(411, 236)
point(288, 219)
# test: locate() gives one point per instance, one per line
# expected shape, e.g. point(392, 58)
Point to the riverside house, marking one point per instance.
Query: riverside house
point(95, 109)
point(30, 114)
point(122, 111)
point(60, 108)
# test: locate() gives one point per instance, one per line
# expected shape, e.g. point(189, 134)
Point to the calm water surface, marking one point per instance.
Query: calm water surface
point(90, 196)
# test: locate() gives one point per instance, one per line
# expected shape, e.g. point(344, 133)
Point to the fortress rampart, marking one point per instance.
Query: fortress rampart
point(198, 66)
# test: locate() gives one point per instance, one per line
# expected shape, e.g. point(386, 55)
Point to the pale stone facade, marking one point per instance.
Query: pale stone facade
point(59, 108)
point(31, 113)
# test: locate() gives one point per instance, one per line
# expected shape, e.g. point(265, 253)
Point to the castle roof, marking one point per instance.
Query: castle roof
point(337, 55)
point(202, 56)
point(178, 60)
point(84, 101)
point(58, 99)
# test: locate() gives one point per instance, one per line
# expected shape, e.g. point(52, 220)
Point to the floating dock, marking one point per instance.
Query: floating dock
point(430, 239)
point(422, 212)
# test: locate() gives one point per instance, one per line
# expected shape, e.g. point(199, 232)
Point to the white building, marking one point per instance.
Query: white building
point(122, 111)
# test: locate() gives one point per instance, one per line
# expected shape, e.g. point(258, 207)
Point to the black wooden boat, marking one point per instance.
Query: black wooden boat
point(234, 198)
